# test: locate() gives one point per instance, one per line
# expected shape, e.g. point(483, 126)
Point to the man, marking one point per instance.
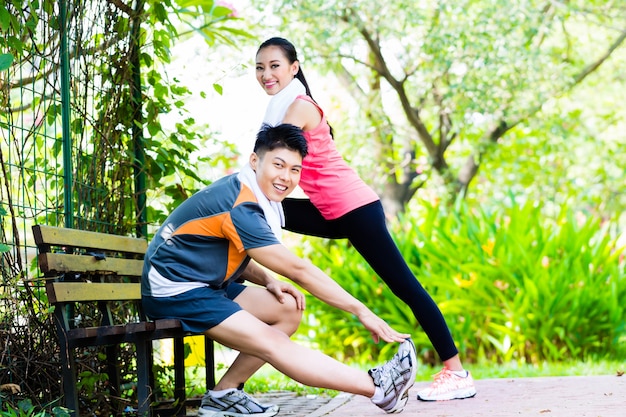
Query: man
point(220, 236)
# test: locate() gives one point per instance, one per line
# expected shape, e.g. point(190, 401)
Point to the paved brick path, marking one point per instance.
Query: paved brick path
point(593, 396)
point(580, 396)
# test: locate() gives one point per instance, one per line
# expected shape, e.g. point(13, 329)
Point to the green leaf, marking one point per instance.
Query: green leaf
point(5, 61)
point(160, 12)
point(5, 19)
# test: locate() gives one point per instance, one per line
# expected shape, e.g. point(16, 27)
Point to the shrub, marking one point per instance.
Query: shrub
point(514, 285)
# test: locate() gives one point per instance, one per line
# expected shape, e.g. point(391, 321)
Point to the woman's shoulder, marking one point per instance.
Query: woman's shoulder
point(306, 98)
point(304, 112)
point(307, 102)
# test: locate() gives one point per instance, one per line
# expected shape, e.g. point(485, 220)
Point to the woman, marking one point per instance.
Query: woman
point(341, 205)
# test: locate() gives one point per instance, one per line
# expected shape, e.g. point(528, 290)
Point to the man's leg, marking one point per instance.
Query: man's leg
point(244, 332)
point(259, 342)
point(263, 305)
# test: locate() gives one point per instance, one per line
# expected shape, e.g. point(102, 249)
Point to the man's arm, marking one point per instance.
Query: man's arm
point(280, 260)
point(257, 275)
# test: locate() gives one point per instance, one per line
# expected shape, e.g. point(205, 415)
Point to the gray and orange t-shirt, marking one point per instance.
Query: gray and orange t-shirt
point(203, 242)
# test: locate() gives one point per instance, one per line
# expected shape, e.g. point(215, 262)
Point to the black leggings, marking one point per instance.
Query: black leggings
point(366, 229)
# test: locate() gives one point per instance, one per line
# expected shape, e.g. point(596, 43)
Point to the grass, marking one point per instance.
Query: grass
point(268, 379)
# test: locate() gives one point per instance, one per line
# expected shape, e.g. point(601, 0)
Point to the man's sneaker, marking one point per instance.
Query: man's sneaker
point(395, 378)
point(448, 386)
point(235, 404)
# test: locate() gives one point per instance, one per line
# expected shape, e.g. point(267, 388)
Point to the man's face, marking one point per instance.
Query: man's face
point(277, 172)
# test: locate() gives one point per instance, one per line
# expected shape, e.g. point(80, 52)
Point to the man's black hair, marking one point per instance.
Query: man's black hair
point(282, 136)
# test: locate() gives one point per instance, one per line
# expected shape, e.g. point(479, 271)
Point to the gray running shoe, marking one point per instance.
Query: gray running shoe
point(235, 404)
point(396, 377)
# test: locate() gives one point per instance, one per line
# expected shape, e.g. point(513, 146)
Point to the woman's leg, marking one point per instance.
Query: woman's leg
point(366, 229)
point(302, 217)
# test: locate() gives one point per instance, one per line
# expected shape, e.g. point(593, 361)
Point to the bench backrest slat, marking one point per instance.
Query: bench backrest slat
point(62, 262)
point(90, 274)
point(60, 292)
point(57, 236)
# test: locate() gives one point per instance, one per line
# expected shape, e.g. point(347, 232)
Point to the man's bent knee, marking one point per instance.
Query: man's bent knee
point(289, 316)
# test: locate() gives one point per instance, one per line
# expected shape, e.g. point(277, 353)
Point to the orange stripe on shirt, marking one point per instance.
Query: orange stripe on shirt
point(206, 226)
point(245, 195)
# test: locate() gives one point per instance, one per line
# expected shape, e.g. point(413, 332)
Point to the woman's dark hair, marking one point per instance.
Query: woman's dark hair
point(291, 54)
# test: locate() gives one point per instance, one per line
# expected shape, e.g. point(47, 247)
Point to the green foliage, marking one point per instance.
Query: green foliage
point(72, 150)
point(514, 284)
point(89, 382)
point(175, 157)
point(164, 375)
point(429, 95)
point(18, 23)
point(25, 408)
point(269, 379)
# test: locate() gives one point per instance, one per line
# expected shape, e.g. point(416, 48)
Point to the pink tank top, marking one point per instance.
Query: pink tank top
point(333, 187)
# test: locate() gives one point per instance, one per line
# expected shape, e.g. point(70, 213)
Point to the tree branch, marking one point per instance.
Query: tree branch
point(595, 65)
point(411, 112)
point(471, 166)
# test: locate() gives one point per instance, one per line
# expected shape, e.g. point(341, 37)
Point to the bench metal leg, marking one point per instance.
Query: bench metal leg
point(70, 392)
point(209, 360)
point(68, 367)
point(144, 365)
point(180, 394)
point(113, 368)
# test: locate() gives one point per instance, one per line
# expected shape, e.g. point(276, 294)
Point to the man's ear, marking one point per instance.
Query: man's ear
point(254, 160)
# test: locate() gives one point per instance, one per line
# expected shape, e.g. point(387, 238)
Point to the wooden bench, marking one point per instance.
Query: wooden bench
point(94, 286)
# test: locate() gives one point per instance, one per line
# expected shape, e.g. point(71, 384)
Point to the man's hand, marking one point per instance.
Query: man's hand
point(280, 289)
point(379, 329)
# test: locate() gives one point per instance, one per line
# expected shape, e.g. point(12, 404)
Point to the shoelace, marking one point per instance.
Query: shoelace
point(244, 398)
point(441, 377)
point(387, 372)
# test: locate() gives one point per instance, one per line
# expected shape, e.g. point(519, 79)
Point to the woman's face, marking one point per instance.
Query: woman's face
point(273, 70)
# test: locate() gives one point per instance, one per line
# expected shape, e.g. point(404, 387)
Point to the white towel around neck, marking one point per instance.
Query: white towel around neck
point(272, 210)
point(280, 102)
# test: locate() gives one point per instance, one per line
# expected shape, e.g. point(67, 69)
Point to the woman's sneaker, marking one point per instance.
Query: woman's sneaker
point(448, 386)
point(235, 404)
point(395, 378)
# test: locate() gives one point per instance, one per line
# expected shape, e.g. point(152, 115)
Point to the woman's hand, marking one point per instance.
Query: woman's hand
point(280, 289)
point(379, 329)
